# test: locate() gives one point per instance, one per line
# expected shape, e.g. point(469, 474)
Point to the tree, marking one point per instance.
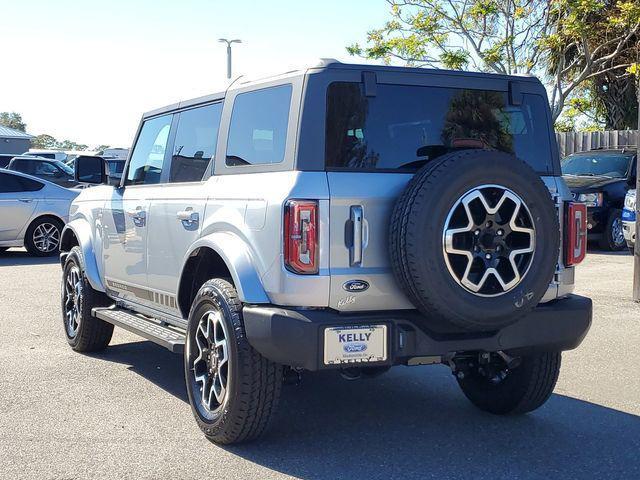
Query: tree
point(509, 36)
point(591, 41)
point(13, 120)
point(44, 141)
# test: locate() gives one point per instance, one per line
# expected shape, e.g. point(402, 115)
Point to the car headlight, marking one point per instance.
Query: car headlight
point(630, 202)
point(591, 199)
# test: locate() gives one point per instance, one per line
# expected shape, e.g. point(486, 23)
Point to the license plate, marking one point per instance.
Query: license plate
point(355, 344)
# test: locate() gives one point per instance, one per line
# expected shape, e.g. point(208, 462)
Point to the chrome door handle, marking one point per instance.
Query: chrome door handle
point(189, 218)
point(25, 200)
point(355, 251)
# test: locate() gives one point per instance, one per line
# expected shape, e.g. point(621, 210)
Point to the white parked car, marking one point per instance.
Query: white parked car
point(32, 212)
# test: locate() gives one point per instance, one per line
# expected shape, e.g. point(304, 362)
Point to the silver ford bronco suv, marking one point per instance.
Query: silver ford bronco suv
point(341, 217)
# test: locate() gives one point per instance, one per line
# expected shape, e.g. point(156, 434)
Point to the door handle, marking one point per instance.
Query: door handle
point(139, 217)
point(189, 218)
point(355, 251)
point(25, 200)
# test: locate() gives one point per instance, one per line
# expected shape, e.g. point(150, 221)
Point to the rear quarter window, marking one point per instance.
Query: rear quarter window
point(258, 130)
point(404, 127)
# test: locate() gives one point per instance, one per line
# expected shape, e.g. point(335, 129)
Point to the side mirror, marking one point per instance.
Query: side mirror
point(90, 170)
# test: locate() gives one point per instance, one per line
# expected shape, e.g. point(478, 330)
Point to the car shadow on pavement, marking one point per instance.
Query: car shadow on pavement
point(15, 257)
point(415, 423)
point(150, 361)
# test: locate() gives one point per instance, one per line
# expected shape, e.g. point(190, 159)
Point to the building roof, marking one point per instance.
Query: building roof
point(6, 132)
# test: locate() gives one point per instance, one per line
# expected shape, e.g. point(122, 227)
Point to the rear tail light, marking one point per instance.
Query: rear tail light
point(576, 239)
point(301, 236)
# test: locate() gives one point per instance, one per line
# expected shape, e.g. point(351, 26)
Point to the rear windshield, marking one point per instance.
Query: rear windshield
point(403, 127)
point(597, 165)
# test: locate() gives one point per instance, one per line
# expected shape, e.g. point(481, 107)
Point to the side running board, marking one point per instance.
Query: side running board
point(146, 327)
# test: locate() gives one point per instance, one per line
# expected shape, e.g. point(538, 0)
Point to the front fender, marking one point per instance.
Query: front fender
point(237, 258)
point(81, 229)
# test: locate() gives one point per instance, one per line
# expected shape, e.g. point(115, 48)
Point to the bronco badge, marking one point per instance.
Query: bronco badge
point(355, 286)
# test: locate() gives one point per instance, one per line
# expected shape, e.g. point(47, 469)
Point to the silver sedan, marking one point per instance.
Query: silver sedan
point(32, 212)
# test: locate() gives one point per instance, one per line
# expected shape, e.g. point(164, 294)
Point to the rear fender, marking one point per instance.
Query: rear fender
point(81, 229)
point(237, 257)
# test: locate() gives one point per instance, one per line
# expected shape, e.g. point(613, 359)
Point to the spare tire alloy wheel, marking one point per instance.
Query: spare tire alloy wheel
point(489, 240)
point(211, 365)
point(474, 241)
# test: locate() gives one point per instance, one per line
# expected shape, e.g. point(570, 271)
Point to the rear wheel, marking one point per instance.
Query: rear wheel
point(495, 388)
point(233, 391)
point(42, 238)
point(613, 235)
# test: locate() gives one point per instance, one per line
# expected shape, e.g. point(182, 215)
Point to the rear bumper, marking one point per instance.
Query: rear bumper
point(296, 337)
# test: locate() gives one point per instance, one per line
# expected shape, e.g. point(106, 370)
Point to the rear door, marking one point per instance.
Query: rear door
point(177, 211)
point(18, 201)
point(377, 137)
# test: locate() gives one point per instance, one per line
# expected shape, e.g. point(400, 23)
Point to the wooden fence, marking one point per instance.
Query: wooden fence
point(570, 142)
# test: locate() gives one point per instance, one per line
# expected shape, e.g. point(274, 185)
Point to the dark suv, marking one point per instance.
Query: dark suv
point(52, 170)
point(601, 178)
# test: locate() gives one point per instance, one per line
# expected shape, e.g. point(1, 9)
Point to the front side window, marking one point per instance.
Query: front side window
point(258, 131)
point(145, 167)
point(597, 165)
point(407, 126)
point(195, 143)
point(45, 168)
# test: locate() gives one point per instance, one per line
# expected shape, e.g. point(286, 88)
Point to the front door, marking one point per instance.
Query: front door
point(127, 217)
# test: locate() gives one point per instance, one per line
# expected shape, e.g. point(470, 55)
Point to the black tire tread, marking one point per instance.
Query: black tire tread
point(606, 242)
point(94, 334)
point(28, 236)
point(401, 231)
point(260, 379)
point(532, 387)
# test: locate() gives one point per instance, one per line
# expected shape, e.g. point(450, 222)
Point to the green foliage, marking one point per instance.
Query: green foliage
point(44, 141)
point(489, 35)
point(13, 120)
point(568, 43)
point(48, 142)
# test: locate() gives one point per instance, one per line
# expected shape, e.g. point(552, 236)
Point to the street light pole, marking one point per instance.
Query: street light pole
point(229, 42)
point(636, 253)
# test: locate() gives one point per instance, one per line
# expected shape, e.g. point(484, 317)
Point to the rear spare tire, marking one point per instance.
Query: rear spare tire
point(474, 240)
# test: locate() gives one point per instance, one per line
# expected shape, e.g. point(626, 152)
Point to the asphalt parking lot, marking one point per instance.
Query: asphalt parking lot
point(123, 413)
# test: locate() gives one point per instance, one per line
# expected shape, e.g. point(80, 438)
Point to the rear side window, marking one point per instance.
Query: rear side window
point(14, 183)
point(258, 131)
point(407, 126)
point(195, 143)
point(145, 166)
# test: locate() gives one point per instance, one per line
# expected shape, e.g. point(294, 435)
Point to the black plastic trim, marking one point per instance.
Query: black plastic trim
point(294, 337)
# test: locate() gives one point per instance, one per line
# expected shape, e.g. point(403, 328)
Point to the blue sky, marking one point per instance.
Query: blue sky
point(85, 70)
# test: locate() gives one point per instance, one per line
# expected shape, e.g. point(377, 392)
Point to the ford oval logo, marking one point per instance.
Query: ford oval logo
point(355, 347)
point(355, 286)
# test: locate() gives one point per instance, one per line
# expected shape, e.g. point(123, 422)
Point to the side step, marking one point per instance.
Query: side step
point(148, 328)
